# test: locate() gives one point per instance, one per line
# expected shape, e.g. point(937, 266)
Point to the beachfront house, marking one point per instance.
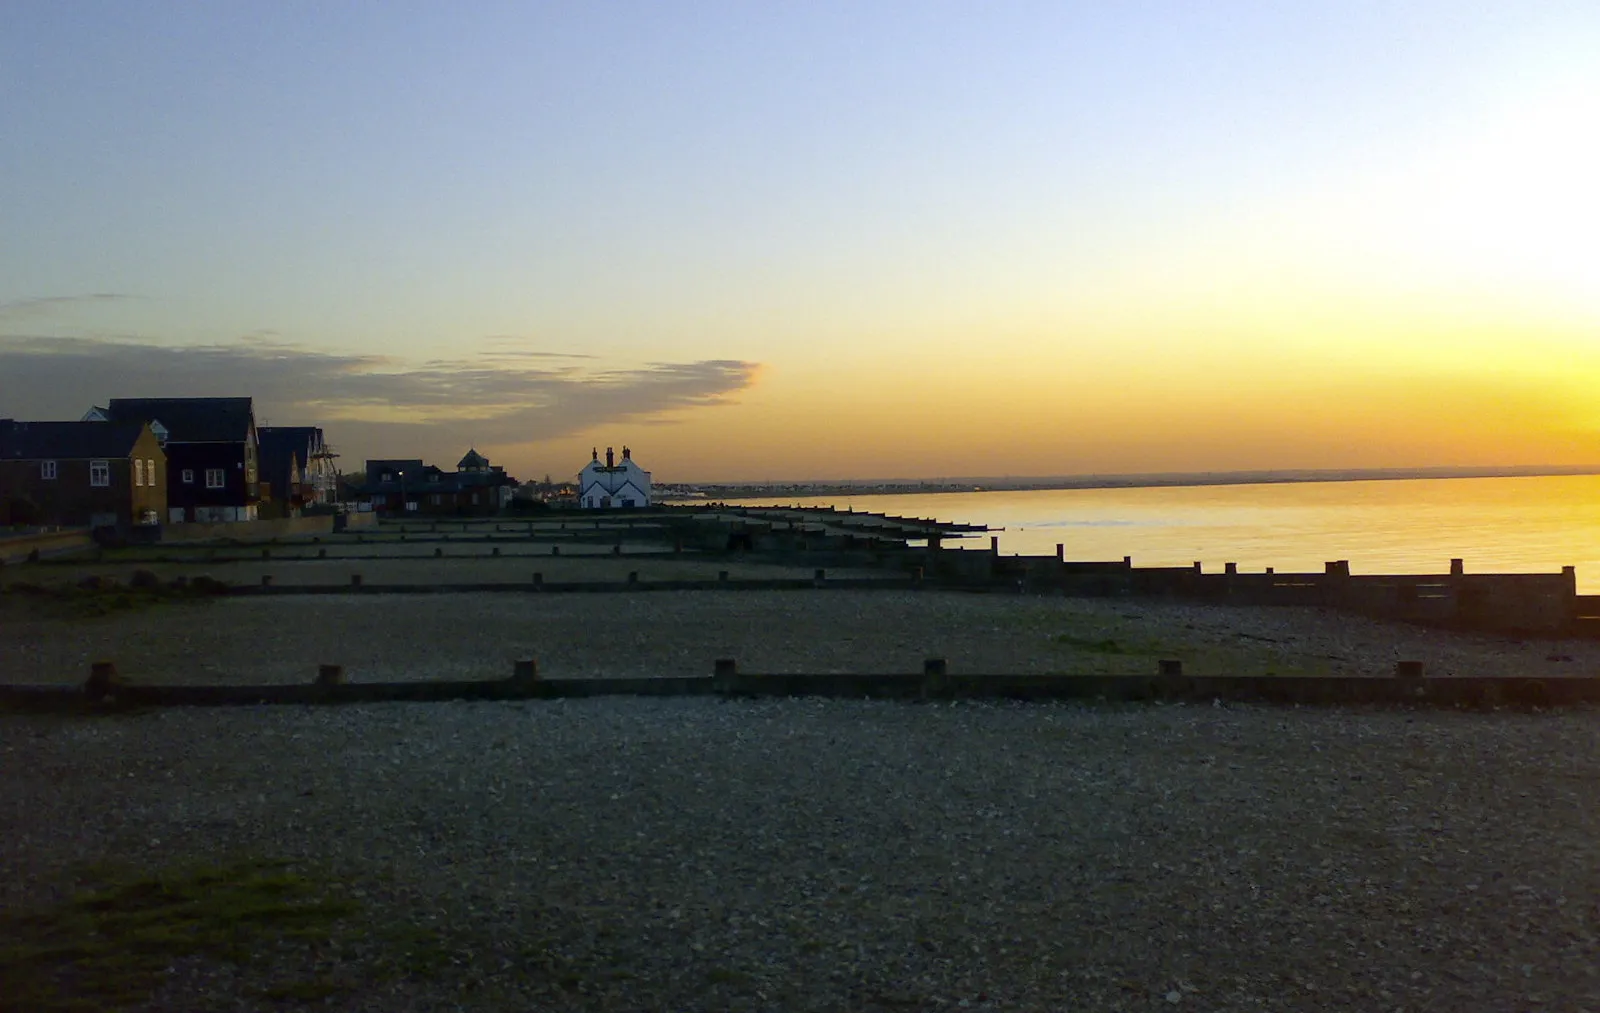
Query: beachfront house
point(296, 469)
point(211, 450)
point(101, 475)
point(613, 485)
point(475, 489)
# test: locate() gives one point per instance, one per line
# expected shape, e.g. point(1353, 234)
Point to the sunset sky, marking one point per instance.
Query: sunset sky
point(820, 240)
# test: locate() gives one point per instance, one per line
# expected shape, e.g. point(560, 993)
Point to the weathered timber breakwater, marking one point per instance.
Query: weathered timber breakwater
point(1409, 687)
point(826, 548)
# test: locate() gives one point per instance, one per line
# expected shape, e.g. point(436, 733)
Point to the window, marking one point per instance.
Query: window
point(150, 470)
point(138, 472)
point(216, 478)
point(47, 469)
point(188, 476)
point(99, 473)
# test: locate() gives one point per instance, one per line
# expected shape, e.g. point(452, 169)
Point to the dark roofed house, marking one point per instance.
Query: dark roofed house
point(296, 469)
point(400, 485)
point(211, 453)
point(81, 474)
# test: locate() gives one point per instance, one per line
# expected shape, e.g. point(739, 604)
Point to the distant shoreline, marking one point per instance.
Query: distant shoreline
point(910, 487)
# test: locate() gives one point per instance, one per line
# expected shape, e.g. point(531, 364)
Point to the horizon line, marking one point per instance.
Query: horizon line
point(1097, 480)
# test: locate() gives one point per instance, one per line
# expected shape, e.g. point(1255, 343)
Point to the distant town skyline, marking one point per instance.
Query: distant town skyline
point(844, 240)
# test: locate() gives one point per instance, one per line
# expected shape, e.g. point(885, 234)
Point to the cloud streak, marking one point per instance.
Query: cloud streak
point(42, 305)
point(376, 403)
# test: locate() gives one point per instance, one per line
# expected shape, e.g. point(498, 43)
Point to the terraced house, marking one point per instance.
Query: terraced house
point(101, 475)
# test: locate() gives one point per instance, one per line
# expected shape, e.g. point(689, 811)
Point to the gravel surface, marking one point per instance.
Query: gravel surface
point(387, 637)
point(627, 854)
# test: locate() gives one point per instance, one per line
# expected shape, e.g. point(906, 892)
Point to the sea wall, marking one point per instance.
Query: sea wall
point(16, 548)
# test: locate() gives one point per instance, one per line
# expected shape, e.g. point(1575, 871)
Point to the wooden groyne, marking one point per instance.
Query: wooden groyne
point(1514, 603)
point(1409, 688)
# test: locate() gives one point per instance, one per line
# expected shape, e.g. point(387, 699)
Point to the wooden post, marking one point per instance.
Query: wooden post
point(1061, 552)
point(994, 545)
point(1230, 568)
point(330, 675)
point(103, 680)
point(555, 550)
point(1458, 567)
point(438, 552)
point(525, 673)
point(1198, 568)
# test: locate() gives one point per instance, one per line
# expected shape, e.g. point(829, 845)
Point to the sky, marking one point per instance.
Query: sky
point(771, 241)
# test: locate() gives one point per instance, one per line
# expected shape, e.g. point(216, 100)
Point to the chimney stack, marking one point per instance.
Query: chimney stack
point(610, 459)
point(627, 455)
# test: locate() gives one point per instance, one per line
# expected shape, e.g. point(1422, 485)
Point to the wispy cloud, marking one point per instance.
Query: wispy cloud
point(41, 305)
point(377, 402)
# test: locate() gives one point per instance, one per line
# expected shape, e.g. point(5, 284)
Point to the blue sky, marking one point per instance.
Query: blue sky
point(884, 214)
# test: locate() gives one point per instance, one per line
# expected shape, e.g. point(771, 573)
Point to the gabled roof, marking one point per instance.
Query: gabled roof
point(376, 467)
point(36, 441)
point(307, 440)
point(283, 449)
point(190, 419)
point(472, 460)
point(280, 442)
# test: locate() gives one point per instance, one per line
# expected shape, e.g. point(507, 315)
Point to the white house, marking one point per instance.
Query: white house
point(614, 484)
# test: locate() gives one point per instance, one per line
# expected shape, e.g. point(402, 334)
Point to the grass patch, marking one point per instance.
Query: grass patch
point(1091, 644)
point(94, 597)
point(110, 945)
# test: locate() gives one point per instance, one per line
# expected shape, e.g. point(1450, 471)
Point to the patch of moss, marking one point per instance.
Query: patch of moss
point(94, 597)
point(110, 945)
point(1104, 645)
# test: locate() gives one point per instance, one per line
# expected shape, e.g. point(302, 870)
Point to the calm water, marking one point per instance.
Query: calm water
point(1495, 524)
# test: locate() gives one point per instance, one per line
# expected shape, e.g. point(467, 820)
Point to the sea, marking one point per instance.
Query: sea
point(1496, 525)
